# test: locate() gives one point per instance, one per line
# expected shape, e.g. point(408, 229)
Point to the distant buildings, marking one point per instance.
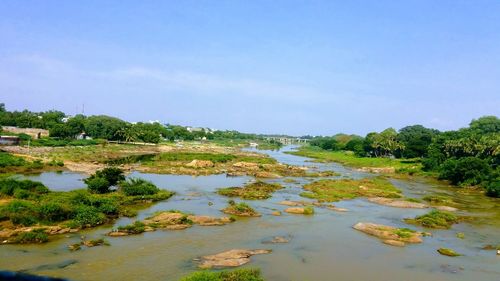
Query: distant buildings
point(33, 132)
point(9, 140)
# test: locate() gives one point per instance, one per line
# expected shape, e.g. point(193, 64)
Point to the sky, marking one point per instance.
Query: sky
point(291, 67)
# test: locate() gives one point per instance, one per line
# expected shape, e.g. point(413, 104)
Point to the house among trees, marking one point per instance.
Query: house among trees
point(9, 140)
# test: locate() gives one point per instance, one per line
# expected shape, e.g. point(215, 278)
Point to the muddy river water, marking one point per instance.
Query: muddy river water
point(323, 246)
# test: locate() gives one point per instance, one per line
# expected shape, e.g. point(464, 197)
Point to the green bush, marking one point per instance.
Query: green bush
point(7, 160)
point(106, 205)
point(245, 274)
point(98, 185)
point(135, 228)
point(102, 180)
point(20, 212)
point(308, 210)
point(136, 186)
point(86, 216)
point(34, 236)
point(21, 194)
point(465, 171)
point(493, 188)
point(54, 212)
point(9, 187)
point(435, 219)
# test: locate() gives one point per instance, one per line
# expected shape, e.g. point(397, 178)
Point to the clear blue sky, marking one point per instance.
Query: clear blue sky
point(295, 67)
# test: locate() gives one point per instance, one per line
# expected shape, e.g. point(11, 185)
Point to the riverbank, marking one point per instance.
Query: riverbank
point(173, 254)
point(188, 158)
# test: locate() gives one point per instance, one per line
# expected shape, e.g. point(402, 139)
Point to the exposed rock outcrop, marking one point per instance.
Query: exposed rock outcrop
point(390, 234)
point(397, 203)
point(200, 164)
point(231, 258)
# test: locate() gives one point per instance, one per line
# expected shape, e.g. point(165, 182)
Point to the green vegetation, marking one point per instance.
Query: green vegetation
point(190, 156)
point(469, 156)
point(435, 219)
point(7, 160)
point(95, 242)
point(257, 159)
point(240, 209)
point(244, 274)
point(14, 164)
point(136, 228)
point(448, 252)
point(308, 210)
point(102, 180)
point(348, 158)
point(438, 199)
point(336, 190)
point(465, 171)
point(136, 186)
point(63, 129)
point(34, 236)
point(22, 189)
point(251, 191)
point(50, 142)
point(404, 232)
point(76, 209)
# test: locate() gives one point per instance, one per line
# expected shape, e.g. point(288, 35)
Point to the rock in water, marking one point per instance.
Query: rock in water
point(448, 252)
point(445, 208)
point(231, 258)
point(397, 203)
point(394, 243)
point(385, 232)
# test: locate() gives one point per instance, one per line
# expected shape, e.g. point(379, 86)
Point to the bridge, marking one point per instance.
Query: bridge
point(288, 140)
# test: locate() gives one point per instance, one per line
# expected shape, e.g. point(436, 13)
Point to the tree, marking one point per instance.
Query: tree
point(416, 139)
point(385, 143)
point(485, 125)
point(104, 127)
point(102, 180)
point(60, 131)
point(356, 145)
point(327, 143)
point(127, 133)
point(465, 171)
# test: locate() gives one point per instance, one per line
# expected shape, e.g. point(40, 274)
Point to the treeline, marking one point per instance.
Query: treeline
point(61, 126)
point(466, 157)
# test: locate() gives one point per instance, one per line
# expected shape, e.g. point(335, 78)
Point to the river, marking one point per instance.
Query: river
point(323, 246)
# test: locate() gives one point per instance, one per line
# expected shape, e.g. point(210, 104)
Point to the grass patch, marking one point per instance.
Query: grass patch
point(257, 159)
point(336, 190)
point(437, 199)
point(349, 159)
point(448, 252)
point(137, 186)
point(13, 164)
point(35, 236)
point(435, 219)
point(190, 156)
point(7, 160)
point(251, 191)
point(245, 274)
point(96, 242)
point(404, 232)
point(134, 228)
point(50, 142)
point(308, 210)
point(240, 209)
